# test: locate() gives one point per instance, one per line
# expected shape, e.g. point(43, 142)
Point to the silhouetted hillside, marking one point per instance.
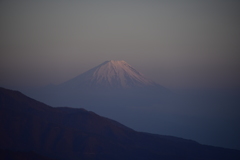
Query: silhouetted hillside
point(20, 155)
point(30, 126)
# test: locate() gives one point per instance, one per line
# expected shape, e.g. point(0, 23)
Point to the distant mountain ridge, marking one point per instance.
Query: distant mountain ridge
point(72, 134)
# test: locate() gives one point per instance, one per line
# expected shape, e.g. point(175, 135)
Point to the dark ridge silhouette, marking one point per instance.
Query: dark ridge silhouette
point(31, 127)
point(20, 155)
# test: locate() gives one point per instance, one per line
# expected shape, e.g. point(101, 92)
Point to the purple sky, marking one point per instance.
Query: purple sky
point(179, 43)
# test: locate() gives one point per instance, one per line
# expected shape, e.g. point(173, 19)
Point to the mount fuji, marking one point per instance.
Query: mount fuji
point(110, 75)
point(112, 82)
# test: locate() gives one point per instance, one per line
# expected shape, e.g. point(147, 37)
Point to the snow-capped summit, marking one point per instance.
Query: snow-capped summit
point(110, 75)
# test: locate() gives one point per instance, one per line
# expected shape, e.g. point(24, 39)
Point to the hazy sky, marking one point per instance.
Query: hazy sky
point(177, 43)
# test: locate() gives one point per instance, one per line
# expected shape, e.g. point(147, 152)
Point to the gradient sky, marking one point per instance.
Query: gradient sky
point(177, 43)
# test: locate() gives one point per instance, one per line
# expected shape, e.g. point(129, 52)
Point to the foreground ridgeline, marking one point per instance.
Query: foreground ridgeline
point(32, 129)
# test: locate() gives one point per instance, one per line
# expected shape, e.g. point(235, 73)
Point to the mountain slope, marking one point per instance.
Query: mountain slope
point(18, 155)
point(66, 133)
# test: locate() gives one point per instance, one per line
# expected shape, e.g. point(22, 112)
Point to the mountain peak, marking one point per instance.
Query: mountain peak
point(113, 74)
point(117, 61)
